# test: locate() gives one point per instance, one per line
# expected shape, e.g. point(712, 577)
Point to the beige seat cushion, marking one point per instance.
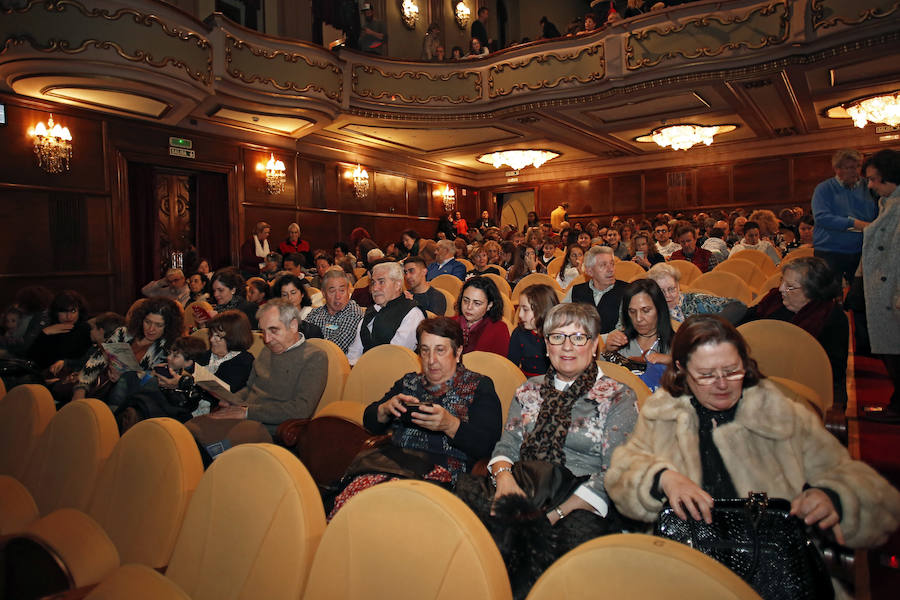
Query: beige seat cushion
point(137, 582)
point(338, 371)
point(377, 370)
point(25, 412)
point(407, 540)
point(506, 376)
point(17, 507)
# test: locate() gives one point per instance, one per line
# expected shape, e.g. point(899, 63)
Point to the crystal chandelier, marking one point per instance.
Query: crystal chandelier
point(275, 175)
point(360, 182)
point(462, 15)
point(682, 137)
point(448, 195)
point(52, 146)
point(876, 109)
point(517, 159)
point(409, 13)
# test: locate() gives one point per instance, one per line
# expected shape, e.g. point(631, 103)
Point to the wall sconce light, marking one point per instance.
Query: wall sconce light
point(409, 13)
point(448, 195)
point(275, 175)
point(360, 182)
point(52, 146)
point(462, 15)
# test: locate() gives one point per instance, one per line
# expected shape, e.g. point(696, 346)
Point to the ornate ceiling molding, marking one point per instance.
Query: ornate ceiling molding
point(509, 77)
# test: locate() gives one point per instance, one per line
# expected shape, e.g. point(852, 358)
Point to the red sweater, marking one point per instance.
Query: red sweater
point(700, 259)
point(486, 335)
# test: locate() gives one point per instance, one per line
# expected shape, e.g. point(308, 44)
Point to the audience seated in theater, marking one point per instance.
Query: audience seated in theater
point(445, 263)
point(293, 289)
point(479, 311)
point(417, 288)
point(572, 266)
point(295, 263)
point(645, 253)
point(808, 297)
point(286, 382)
point(409, 242)
point(342, 250)
point(339, 318)
point(446, 230)
point(227, 288)
point(686, 235)
point(462, 248)
point(258, 291)
point(485, 222)
point(152, 325)
point(719, 429)
point(548, 251)
point(271, 267)
point(31, 309)
point(573, 416)
point(603, 291)
point(715, 242)
point(392, 319)
point(441, 420)
point(294, 245)
point(363, 250)
point(66, 338)
point(197, 286)
point(685, 304)
point(255, 250)
point(664, 243)
point(753, 241)
point(645, 339)
point(583, 239)
point(527, 349)
point(173, 286)
point(613, 239)
point(480, 266)
point(323, 262)
point(525, 262)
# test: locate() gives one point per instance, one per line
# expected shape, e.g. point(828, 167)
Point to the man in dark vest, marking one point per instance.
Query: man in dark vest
point(392, 319)
point(603, 290)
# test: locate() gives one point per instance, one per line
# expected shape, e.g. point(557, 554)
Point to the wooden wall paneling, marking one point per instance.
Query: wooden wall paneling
point(346, 196)
point(94, 286)
point(423, 198)
point(626, 193)
point(808, 172)
point(312, 184)
point(656, 191)
point(761, 182)
point(19, 165)
point(320, 228)
point(255, 179)
point(596, 192)
point(435, 200)
point(713, 185)
point(279, 217)
point(391, 193)
point(555, 193)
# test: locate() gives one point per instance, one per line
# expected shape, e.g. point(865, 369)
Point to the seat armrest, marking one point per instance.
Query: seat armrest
point(377, 441)
point(289, 431)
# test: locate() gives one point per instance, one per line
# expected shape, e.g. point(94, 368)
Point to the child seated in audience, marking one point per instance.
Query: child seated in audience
point(12, 316)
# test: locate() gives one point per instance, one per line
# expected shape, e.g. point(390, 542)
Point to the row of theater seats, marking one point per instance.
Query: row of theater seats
point(253, 526)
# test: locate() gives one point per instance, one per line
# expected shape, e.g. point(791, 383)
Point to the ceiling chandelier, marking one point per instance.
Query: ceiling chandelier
point(409, 13)
point(275, 175)
point(517, 159)
point(360, 182)
point(462, 15)
point(875, 109)
point(682, 137)
point(448, 196)
point(52, 146)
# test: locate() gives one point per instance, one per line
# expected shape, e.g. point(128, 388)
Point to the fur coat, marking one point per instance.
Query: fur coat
point(773, 445)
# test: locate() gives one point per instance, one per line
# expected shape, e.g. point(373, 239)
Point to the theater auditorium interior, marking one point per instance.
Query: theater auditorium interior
point(188, 122)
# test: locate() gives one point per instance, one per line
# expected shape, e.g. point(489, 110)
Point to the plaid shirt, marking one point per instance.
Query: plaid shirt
point(340, 327)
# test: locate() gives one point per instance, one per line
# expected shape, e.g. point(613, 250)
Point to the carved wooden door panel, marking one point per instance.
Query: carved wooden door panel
point(175, 217)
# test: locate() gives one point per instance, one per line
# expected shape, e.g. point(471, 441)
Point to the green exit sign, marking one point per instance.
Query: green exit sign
point(176, 142)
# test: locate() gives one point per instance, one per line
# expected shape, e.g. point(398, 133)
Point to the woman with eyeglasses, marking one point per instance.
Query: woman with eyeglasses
point(808, 297)
point(719, 429)
point(574, 417)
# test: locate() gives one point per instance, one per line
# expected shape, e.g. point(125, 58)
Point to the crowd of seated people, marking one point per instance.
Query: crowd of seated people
point(446, 418)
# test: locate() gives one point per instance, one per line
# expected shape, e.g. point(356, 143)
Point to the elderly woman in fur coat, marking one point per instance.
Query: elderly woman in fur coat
point(718, 429)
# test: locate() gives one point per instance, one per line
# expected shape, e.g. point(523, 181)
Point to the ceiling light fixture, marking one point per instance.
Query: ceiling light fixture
point(52, 146)
point(884, 108)
point(409, 13)
point(462, 15)
point(517, 159)
point(275, 175)
point(684, 136)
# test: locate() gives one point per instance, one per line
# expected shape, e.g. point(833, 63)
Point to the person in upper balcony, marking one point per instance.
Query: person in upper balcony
point(479, 28)
point(476, 50)
point(548, 29)
point(842, 208)
point(373, 34)
point(431, 42)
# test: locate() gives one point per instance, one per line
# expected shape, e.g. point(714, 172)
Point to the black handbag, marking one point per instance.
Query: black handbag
point(758, 539)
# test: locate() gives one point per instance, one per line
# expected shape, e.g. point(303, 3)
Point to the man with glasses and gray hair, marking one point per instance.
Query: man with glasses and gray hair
point(603, 291)
point(172, 286)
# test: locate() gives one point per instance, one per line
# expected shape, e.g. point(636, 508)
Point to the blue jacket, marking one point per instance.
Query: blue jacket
point(453, 267)
point(834, 208)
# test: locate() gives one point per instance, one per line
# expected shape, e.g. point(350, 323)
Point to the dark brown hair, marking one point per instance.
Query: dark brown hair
point(697, 331)
point(168, 309)
point(190, 347)
point(542, 298)
point(235, 328)
point(442, 327)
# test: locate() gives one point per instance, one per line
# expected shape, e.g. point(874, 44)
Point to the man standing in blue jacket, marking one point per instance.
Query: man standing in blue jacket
point(446, 263)
point(842, 208)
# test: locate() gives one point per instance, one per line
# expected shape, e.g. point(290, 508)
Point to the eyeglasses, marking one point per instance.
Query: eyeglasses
point(661, 231)
point(711, 378)
point(217, 334)
point(788, 288)
point(577, 339)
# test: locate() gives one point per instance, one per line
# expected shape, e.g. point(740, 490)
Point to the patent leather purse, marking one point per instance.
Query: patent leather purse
point(758, 539)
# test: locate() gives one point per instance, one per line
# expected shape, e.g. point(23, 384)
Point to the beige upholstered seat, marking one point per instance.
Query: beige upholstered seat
point(759, 258)
point(250, 532)
point(2, 389)
point(784, 350)
point(190, 321)
point(627, 270)
point(724, 284)
point(501, 283)
point(506, 376)
point(136, 508)
point(555, 265)
point(688, 270)
point(466, 263)
point(624, 375)
point(377, 370)
point(798, 253)
point(63, 467)
point(509, 311)
point(338, 370)
point(752, 275)
point(25, 412)
point(451, 283)
point(535, 279)
point(434, 548)
point(769, 284)
point(802, 394)
point(634, 566)
point(361, 282)
point(258, 344)
point(501, 269)
point(359, 272)
point(582, 278)
point(451, 301)
point(352, 411)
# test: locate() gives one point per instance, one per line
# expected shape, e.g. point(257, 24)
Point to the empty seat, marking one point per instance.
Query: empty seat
point(466, 263)
point(688, 270)
point(377, 370)
point(451, 283)
point(25, 412)
point(501, 283)
point(797, 253)
point(338, 370)
point(554, 266)
point(635, 566)
point(724, 284)
point(372, 550)
point(746, 270)
point(451, 301)
point(759, 258)
point(506, 376)
point(627, 270)
point(624, 375)
point(535, 279)
point(250, 532)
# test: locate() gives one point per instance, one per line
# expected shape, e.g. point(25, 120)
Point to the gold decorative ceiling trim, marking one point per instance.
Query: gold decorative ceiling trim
point(544, 84)
point(50, 91)
point(821, 20)
point(233, 44)
point(510, 137)
point(462, 76)
point(766, 40)
point(139, 55)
